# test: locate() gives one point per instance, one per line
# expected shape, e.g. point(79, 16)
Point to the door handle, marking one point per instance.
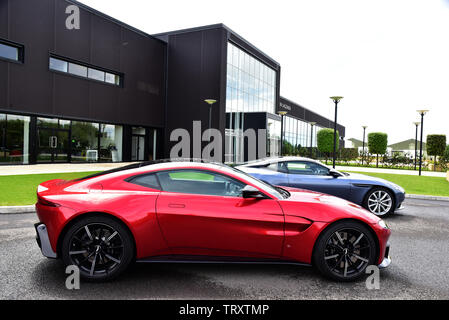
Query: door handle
point(176, 205)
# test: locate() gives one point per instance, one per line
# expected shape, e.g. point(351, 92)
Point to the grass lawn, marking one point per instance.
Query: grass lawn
point(19, 190)
point(434, 186)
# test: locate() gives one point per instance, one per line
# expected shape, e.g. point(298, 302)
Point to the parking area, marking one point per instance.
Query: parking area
point(420, 269)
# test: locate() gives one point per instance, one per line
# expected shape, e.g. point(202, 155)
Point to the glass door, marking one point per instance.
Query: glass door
point(138, 148)
point(53, 145)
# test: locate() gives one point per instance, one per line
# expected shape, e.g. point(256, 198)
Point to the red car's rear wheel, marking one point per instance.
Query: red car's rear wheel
point(99, 246)
point(344, 250)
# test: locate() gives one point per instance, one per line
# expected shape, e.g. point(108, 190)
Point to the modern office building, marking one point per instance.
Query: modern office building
point(107, 92)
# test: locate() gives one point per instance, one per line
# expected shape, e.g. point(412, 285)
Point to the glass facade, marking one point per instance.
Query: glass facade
point(84, 141)
point(250, 87)
point(273, 138)
point(59, 140)
point(14, 139)
point(297, 133)
point(110, 143)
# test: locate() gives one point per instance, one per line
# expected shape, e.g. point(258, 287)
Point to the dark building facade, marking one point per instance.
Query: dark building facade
point(107, 92)
point(214, 62)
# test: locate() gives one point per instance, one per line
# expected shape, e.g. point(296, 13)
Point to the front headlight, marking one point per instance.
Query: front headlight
point(383, 224)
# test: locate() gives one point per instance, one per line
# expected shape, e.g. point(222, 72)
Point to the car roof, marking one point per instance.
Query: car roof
point(270, 160)
point(141, 167)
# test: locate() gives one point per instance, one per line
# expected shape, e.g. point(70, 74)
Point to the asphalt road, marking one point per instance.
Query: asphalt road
point(420, 269)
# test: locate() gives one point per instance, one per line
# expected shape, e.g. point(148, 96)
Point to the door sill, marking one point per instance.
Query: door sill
point(216, 260)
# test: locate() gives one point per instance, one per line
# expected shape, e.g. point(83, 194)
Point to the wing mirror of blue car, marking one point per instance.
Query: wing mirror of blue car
point(334, 173)
point(249, 192)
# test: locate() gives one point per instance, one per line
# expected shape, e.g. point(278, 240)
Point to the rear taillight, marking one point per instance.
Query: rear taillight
point(45, 202)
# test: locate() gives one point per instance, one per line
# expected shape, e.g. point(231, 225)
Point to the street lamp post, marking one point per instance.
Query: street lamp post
point(210, 102)
point(311, 137)
point(422, 113)
point(336, 100)
point(363, 144)
point(416, 140)
point(282, 114)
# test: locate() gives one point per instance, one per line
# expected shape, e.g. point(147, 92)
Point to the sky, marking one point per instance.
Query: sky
point(387, 58)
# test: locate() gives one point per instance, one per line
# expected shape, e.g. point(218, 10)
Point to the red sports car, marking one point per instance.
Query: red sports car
point(202, 212)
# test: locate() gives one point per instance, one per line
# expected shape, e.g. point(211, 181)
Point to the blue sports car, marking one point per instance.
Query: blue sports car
point(379, 196)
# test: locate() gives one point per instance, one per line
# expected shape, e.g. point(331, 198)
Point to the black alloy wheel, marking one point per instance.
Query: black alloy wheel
point(99, 246)
point(345, 250)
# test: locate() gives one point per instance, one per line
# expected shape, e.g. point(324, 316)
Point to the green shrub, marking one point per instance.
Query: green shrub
point(377, 144)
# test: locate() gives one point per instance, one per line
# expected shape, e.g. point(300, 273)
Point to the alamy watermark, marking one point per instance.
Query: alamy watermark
point(73, 21)
point(373, 280)
point(256, 143)
point(72, 281)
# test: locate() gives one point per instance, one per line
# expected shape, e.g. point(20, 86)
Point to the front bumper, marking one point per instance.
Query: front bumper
point(387, 260)
point(43, 241)
point(400, 197)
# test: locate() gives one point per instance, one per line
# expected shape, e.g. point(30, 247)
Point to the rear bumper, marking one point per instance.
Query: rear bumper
point(43, 241)
point(386, 260)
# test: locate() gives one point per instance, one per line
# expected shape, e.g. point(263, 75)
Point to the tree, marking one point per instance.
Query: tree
point(377, 144)
point(325, 141)
point(436, 144)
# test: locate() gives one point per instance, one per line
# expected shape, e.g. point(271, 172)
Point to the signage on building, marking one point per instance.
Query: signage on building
point(285, 106)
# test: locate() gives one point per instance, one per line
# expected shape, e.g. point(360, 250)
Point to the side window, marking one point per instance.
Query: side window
point(273, 166)
point(146, 180)
point(200, 182)
point(306, 168)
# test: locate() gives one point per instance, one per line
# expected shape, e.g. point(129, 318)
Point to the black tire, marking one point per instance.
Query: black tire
point(385, 207)
point(330, 258)
point(102, 252)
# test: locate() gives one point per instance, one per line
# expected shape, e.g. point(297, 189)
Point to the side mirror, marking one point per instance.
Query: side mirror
point(249, 192)
point(334, 173)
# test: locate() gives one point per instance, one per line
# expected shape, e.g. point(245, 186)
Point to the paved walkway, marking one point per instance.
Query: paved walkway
point(58, 167)
point(393, 171)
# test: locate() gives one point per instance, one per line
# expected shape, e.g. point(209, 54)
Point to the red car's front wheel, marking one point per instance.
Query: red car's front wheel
point(344, 250)
point(99, 246)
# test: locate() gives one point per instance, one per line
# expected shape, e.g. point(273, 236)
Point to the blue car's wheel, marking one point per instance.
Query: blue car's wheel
point(379, 201)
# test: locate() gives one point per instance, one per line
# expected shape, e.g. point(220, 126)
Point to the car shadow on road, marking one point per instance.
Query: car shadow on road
point(166, 281)
point(140, 281)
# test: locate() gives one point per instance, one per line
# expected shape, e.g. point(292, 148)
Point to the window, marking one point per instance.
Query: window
point(96, 74)
point(112, 78)
point(10, 51)
point(200, 182)
point(147, 180)
point(58, 65)
point(80, 70)
point(84, 141)
point(77, 70)
point(306, 168)
point(111, 142)
point(14, 139)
